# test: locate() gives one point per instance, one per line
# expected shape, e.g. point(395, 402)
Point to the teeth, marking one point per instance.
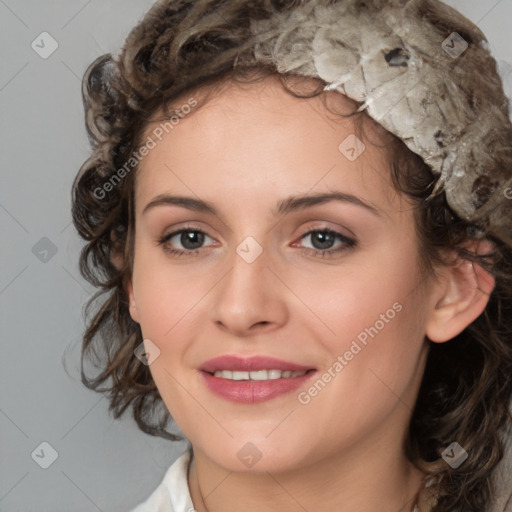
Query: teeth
point(258, 374)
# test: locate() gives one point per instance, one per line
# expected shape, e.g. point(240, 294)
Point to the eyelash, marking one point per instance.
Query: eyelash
point(348, 243)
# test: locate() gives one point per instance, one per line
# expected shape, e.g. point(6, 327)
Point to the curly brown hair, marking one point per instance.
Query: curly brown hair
point(183, 45)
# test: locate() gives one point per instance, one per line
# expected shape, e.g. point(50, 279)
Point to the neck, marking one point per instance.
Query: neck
point(364, 478)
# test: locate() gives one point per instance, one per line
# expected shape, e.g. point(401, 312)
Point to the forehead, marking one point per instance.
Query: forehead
point(258, 140)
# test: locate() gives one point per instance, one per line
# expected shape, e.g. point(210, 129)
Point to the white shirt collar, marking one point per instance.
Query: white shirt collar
point(173, 494)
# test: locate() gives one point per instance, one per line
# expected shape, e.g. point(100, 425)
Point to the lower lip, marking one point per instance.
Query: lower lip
point(252, 392)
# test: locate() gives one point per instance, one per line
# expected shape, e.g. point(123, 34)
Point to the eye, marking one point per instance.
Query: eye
point(190, 238)
point(323, 240)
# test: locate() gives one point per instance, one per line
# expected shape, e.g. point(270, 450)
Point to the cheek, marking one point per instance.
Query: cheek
point(375, 320)
point(164, 293)
point(380, 294)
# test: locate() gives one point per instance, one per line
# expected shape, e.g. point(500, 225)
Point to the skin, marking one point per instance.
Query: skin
point(246, 149)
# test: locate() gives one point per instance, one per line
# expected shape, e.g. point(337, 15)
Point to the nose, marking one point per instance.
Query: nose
point(250, 299)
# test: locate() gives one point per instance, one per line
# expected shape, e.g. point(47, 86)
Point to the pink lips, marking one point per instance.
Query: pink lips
point(250, 392)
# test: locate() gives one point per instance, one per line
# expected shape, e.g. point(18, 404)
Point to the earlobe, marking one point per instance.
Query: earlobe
point(131, 298)
point(117, 260)
point(462, 294)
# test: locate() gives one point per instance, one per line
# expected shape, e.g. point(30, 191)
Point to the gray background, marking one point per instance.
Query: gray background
point(102, 464)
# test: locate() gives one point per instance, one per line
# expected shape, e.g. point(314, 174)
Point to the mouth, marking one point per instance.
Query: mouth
point(259, 375)
point(241, 365)
point(254, 379)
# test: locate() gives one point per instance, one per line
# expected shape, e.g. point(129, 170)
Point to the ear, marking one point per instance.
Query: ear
point(128, 286)
point(460, 296)
point(118, 261)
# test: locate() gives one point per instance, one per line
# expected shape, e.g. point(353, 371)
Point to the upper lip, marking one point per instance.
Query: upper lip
point(248, 364)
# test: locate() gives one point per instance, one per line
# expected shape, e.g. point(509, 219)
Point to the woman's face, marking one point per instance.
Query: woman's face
point(266, 279)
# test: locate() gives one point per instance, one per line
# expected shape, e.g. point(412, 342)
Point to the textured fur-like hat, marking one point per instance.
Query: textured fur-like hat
point(424, 87)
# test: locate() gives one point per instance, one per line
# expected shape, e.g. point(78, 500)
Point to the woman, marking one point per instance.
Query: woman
point(299, 215)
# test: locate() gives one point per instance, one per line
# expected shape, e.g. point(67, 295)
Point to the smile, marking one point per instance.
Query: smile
point(258, 375)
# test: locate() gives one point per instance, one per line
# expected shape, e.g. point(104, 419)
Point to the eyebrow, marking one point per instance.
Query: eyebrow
point(288, 205)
